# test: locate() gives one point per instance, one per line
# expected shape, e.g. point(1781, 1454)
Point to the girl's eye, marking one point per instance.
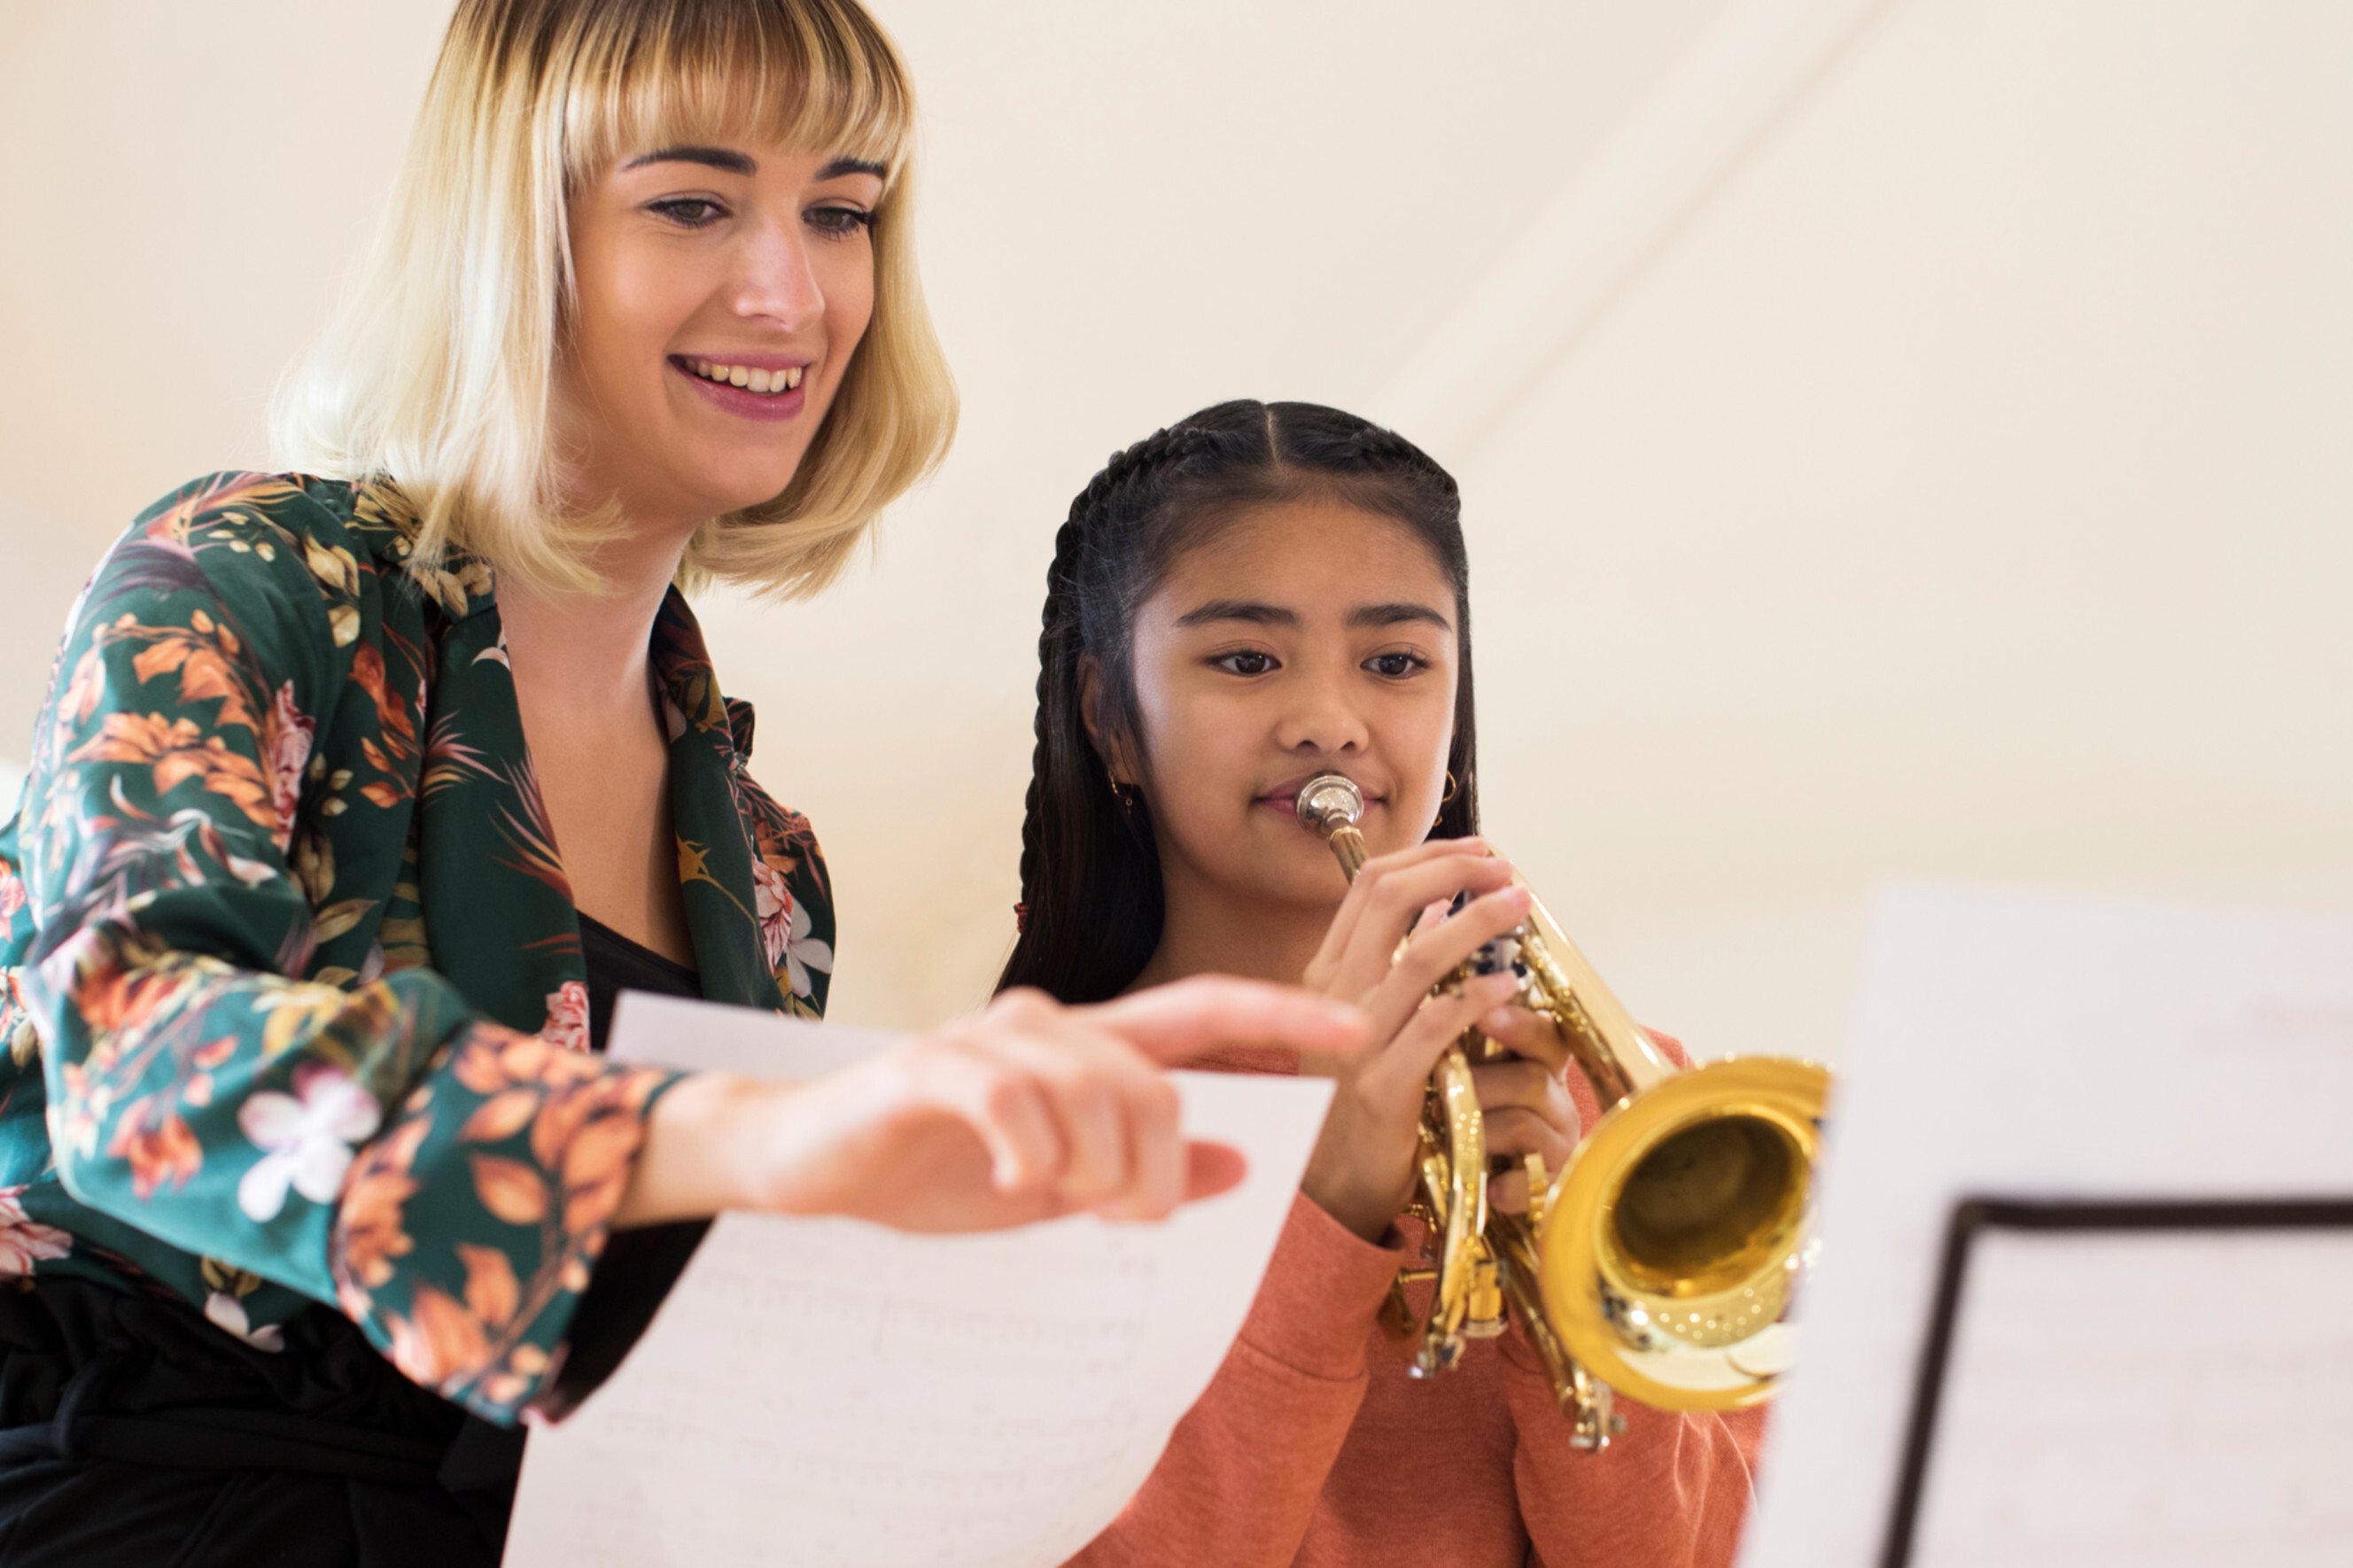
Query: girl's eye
point(839, 222)
point(689, 212)
point(1396, 666)
point(1247, 662)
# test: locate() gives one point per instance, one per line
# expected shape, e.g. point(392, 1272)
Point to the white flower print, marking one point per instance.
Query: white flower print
point(308, 1135)
point(288, 738)
point(567, 1017)
point(25, 1241)
point(785, 927)
point(228, 1312)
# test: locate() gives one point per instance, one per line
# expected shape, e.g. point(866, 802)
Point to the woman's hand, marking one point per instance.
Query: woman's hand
point(1361, 1173)
point(1023, 1111)
point(1527, 1102)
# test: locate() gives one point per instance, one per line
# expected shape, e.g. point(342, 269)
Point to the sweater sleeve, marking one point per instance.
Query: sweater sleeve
point(369, 1143)
point(1242, 1473)
point(1670, 1492)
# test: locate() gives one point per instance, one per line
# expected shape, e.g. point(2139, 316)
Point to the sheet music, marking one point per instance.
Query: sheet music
point(2034, 1045)
point(824, 1392)
point(2163, 1399)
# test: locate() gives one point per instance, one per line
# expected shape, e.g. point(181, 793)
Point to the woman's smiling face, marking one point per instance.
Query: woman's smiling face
point(1309, 637)
point(721, 292)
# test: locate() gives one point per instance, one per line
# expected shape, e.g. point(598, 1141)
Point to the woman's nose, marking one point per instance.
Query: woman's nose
point(776, 280)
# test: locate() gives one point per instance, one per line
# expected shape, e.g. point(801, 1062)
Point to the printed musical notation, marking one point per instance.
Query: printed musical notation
point(827, 1391)
point(2160, 1397)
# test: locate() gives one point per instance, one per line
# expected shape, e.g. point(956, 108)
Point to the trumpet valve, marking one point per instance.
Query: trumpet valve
point(1539, 1187)
point(1482, 1317)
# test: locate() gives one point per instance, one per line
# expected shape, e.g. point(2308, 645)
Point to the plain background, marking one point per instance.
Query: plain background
point(1961, 486)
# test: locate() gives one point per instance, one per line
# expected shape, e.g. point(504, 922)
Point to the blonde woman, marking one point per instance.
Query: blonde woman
point(361, 789)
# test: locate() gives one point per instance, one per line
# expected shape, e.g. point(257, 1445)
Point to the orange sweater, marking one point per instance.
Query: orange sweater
point(1313, 1445)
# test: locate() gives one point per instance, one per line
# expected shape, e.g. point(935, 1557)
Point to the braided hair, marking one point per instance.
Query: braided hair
point(1091, 890)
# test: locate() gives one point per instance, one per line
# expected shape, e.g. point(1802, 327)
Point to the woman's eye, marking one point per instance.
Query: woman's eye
point(689, 212)
point(1396, 666)
point(1249, 661)
point(839, 222)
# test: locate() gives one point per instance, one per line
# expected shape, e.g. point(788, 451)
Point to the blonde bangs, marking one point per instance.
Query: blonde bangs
point(689, 72)
point(438, 370)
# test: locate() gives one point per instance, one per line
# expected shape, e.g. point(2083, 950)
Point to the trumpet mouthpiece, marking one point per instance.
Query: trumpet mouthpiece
point(1328, 803)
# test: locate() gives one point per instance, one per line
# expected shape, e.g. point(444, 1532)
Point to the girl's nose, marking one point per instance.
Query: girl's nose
point(1323, 721)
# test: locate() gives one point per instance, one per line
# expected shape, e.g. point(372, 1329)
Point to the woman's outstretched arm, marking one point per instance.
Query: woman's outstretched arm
point(1023, 1111)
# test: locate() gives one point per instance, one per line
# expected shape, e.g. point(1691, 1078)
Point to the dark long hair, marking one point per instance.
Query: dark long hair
point(1090, 892)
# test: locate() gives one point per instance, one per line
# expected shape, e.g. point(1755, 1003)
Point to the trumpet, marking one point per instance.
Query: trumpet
point(1663, 1259)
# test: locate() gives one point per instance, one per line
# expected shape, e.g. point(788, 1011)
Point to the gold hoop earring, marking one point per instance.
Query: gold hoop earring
point(1121, 792)
point(1453, 789)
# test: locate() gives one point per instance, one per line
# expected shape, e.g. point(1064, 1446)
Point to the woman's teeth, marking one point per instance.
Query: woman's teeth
point(750, 380)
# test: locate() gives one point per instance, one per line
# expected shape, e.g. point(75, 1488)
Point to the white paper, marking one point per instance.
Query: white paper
point(2012, 1045)
point(2166, 1399)
point(825, 1392)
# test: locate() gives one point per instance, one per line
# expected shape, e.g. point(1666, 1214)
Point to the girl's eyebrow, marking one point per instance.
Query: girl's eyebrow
point(1397, 614)
point(1256, 613)
point(1250, 610)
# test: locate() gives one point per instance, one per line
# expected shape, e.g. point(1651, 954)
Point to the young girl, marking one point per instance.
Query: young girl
point(1257, 594)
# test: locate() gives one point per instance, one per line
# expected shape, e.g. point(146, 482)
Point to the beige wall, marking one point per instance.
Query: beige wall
point(1958, 485)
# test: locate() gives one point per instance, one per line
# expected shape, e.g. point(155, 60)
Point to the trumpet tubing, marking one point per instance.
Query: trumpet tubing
point(1662, 1259)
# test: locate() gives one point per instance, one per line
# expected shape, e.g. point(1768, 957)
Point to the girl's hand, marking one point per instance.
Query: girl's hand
point(1023, 1111)
point(1526, 1101)
point(1361, 1173)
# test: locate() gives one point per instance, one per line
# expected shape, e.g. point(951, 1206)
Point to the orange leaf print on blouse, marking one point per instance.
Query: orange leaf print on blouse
point(159, 1147)
point(491, 1287)
point(115, 997)
point(177, 751)
point(202, 656)
point(500, 1117)
point(509, 1189)
point(370, 1219)
point(597, 1165)
point(391, 708)
point(441, 1342)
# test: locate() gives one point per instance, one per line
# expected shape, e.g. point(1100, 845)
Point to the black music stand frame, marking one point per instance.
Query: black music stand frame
point(1972, 1215)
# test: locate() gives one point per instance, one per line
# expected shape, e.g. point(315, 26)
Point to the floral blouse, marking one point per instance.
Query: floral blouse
point(290, 980)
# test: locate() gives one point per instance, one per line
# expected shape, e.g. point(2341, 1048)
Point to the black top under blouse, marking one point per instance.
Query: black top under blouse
point(639, 1265)
point(617, 964)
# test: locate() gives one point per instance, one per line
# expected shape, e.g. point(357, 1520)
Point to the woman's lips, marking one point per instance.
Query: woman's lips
point(744, 402)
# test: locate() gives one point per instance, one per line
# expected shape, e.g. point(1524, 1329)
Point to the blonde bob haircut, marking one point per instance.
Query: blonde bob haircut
point(437, 370)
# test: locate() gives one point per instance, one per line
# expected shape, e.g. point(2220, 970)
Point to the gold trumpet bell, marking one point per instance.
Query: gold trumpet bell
point(1674, 1238)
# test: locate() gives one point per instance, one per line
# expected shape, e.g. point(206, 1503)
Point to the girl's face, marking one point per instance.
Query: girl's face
point(722, 290)
point(1309, 637)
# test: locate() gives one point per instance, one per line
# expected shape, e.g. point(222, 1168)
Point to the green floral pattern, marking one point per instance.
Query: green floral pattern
point(290, 981)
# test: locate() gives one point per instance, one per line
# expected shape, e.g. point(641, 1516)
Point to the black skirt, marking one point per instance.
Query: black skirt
point(134, 1432)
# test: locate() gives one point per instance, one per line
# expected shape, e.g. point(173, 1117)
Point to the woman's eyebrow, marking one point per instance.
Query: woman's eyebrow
point(1397, 614)
point(722, 158)
point(1249, 610)
point(842, 166)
